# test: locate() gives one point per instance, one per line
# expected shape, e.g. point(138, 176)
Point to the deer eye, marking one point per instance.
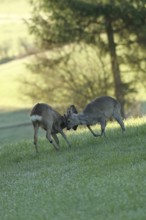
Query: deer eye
point(68, 120)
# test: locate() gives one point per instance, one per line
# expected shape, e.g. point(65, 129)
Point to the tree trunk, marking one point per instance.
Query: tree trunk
point(119, 93)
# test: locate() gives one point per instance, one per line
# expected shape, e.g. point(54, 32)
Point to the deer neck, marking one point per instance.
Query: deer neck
point(83, 119)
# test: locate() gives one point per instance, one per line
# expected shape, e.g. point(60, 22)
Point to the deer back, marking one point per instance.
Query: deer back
point(104, 105)
point(45, 114)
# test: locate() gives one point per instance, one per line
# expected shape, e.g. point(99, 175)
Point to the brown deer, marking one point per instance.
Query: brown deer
point(97, 111)
point(43, 115)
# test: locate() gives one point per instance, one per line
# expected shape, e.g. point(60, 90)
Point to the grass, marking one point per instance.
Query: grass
point(13, 28)
point(14, 134)
point(11, 94)
point(14, 7)
point(13, 31)
point(98, 178)
point(14, 117)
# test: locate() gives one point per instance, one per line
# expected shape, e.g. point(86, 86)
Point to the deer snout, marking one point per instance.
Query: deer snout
point(69, 124)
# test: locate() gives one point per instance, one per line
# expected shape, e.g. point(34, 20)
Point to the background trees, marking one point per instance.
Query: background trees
point(89, 48)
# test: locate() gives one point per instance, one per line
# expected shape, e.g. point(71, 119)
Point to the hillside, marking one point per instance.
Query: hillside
point(13, 43)
point(11, 87)
point(98, 178)
point(13, 28)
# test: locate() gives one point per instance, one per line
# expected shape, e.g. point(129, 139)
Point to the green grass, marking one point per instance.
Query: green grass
point(98, 178)
point(14, 117)
point(15, 134)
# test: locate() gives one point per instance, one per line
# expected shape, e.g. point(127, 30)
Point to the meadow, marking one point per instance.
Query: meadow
point(14, 30)
point(11, 87)
point(97, 178)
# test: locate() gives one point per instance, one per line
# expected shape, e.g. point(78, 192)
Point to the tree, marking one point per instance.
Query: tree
point(116, 28)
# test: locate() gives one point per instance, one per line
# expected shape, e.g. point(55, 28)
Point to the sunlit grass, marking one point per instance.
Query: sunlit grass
point(13, 34)
point(19, 7)
point(11, 95)
point(13, 29)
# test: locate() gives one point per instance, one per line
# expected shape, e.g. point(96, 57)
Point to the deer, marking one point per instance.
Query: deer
point(99, 111)
point(44, 116)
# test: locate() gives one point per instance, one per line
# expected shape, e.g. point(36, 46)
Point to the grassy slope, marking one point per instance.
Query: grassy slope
point(10, 84)
point(14, 6)
point(13, 29)
point(13, 135)
point(12, 15)
point(95, 179)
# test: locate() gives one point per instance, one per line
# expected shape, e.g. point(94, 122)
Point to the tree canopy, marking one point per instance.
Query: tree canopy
point(110, 33)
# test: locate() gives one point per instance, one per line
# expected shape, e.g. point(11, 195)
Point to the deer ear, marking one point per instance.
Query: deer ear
point(73, 109)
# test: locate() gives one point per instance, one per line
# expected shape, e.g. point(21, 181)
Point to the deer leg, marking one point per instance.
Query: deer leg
point(55, 139)
point(103, 125)
point(121, 123)
point(94, 134)
point(48, 136)
point(118, 118)
point(64, 136)
point(36, 129)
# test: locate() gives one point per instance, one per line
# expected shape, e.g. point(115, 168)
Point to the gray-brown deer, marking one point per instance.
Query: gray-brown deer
point(97, 111)
point(43, 115)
